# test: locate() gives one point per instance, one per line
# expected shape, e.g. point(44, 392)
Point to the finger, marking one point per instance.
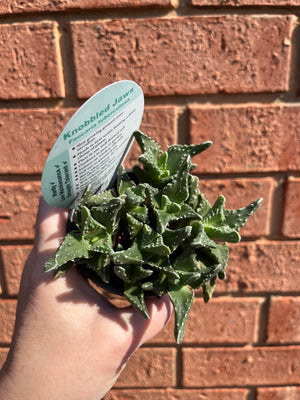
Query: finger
point(143, 329)
point(160, 311)
point(50, 226)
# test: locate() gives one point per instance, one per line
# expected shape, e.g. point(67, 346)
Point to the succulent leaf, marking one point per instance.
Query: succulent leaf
point(101, 264)
point(72, 248)
point(160, 284)
point(108, 214)
point(215, 255)
point(142, 175)
point(88, 223)
point(208, 289)
point(134, 225)
point(154, 232)
point(237, 218)
point(132, 255)
point(194, 192)
point(163, 265)
point(135, 195)
point(215, 216)
point(199, 237)
point(223, 233)
point(140, 213)
point(173, 238)
point(147, 144)
point(135, 295)
point(203, 206)
point(131, 273)
point(177, 190)
point(205, 276)
point(178, 152)
point(182, 299)
point(156, 246)
point(100, 242)
point(187, 262)
point(123, 181)
point(99, 198)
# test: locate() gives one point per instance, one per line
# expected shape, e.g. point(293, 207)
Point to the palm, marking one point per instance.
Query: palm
point(67, 332)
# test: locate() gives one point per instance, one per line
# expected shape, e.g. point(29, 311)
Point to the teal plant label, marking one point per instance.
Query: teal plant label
point(93, 144)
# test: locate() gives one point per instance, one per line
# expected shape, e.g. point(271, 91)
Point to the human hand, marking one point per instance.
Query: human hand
point(69, 341)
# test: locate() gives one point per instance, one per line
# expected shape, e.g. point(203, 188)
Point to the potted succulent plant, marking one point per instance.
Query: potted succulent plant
point(154, 232)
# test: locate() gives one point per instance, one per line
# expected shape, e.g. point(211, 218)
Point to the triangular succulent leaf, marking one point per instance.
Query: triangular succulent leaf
point(193, 188)
point(177, 152)
point(173, 238)
point(131, 273)
point(177, 190)
point(203, 205)
point(215, 215)
point(101, 264)
point(103, 197)
point(140, 213)
point(134, 225)
point(135, 295)
point(146, 143)
point(72, 248)
point(182, 300)
point(237, 218)
point(208, 290)
point(88, 223)
point(223, 233)
point(132, 255)
point(123, 181)
point(152, 242)
point(108, 214)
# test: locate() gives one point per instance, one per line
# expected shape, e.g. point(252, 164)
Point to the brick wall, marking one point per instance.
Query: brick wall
point(221, 70)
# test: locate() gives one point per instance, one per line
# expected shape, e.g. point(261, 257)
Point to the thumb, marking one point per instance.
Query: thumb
point(50, 227)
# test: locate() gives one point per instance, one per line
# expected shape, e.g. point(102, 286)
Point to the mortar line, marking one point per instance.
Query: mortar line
point(102, 14)
point(201, 100)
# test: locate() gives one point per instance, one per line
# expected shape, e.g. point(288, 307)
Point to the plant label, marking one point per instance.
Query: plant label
point(93, 144)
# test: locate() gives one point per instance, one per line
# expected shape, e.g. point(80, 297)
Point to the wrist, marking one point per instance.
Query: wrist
point(6, 385)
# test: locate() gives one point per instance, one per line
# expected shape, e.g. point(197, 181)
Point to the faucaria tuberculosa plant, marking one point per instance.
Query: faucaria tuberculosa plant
point(154, 232)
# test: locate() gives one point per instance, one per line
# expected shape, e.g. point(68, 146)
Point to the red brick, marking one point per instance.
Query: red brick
point(284, 320)
point(19, 6)
point(30, 61)
point(160, 124)
point(284, 393)
point(40, 128)
point(262, 267)
point(291, 218)
point(178, 394)
point(7, 318)
point(186, 55)
point(240, 192)
point(247, 138)
point(149, 367)
point(223, 320)
point(3, 355)
point(13, 258)
point(241, 3)
point(29, 132)
point(18, 208)
point(240, 366)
